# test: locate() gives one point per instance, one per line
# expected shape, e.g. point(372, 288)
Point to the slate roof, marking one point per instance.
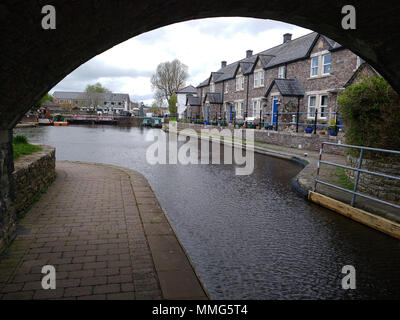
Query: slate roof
point(49, 103)
point(115, 97)
point(287, 87)
point(193, 101)
point(293, 50)
point(215, 98)
point(187, 89)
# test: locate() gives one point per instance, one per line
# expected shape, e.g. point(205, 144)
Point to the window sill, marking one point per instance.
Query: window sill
point(319, 77)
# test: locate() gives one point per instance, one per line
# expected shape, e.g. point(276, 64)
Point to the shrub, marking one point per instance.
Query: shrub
point(371, 115)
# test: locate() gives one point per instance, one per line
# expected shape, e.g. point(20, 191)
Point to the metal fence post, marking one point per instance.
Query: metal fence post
point(277, 121)
point(315, 121)
point(353, 199)
point(318, 167)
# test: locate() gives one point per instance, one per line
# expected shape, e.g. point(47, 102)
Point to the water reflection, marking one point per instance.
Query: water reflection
point(250, 237)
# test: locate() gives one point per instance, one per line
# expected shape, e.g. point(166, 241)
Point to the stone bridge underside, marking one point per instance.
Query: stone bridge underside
point(33, 60)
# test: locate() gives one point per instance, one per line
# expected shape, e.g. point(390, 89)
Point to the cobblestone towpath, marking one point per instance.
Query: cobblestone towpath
point(104, 231)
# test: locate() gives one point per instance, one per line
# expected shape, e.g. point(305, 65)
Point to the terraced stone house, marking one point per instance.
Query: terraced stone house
point(305, 73)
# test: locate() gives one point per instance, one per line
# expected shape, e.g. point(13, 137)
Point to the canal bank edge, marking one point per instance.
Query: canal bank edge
point(303, 185)
point(379, 223)
point(173, 288)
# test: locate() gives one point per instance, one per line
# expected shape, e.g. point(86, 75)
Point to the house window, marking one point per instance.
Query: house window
point(255, 79)
point(324, 106)
point(314, 66)
point(326, 63)
point(242, 83)
point(261, 78)
point(281, 72)
point(256, 108)
point(237, 84)
point(311, 106)
point(212, 87)
point(239, 109)
point(226, 87)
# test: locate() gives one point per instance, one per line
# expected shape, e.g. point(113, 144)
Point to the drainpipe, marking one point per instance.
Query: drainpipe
point(247, 98)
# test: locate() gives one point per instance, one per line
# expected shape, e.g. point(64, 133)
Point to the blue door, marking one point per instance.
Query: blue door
point(275, 111)
point(230, 113)
point(208, 113)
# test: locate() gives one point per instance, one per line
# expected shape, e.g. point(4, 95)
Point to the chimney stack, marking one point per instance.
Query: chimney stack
point(287, 37)
point(249, 53)
point(223, 64)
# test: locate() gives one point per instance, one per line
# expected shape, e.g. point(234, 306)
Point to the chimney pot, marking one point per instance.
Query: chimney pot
point(287, 37)
point(249, 53)
point(223, 64)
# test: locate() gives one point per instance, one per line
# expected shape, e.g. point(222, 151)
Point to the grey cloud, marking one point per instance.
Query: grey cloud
point(95, 69)
point(225, 27)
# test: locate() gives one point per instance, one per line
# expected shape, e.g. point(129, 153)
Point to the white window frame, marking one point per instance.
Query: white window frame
point(321, 106)
point(237, 83)
point(281, 72)
point(326, 64)
point(242, 83)
point(212, 87)
point(256, 80)
point(262, 78)
point(311, 115)
point(239, 108)
point(312, 67)
point(226, 87)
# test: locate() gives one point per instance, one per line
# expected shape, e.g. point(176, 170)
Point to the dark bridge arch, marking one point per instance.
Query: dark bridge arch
point(33, 60)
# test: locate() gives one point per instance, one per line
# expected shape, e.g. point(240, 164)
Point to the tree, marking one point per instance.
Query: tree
point(46, 97)
point(169, 78)
point(154, 109)
point(172, 104)
point(371, 114)
point(94, 94)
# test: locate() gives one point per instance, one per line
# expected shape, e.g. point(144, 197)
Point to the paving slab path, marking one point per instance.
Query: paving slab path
point(107, 236)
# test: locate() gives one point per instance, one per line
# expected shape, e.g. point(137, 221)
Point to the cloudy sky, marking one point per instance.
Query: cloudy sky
point(200, 44)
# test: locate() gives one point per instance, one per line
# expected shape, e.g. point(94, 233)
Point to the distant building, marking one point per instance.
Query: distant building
point(107, 102)
point(182, 95)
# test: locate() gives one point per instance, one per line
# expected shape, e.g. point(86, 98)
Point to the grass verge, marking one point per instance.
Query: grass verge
point(22, 147)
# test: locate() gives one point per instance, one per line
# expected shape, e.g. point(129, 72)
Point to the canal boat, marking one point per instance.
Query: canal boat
point(146, 122)
point(156, 123)
point(106, 120)
point(44, 122)
point(59, 121)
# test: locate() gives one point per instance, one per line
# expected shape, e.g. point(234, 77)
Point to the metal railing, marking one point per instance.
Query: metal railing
point(311, 122)
point(358, 170)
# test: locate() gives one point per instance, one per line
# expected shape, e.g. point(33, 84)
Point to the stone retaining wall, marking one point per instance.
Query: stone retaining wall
point(7, 211)
point(32, 175)
point(282, 138)
point(382, 188)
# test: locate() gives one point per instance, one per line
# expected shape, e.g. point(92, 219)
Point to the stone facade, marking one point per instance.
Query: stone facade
point(380, 187)
point(249, 100)
point(33, 174)
point(7, 210)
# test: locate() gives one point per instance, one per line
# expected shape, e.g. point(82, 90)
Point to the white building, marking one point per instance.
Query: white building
point(181, 99)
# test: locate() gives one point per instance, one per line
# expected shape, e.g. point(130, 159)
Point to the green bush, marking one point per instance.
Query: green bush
point(371, 115)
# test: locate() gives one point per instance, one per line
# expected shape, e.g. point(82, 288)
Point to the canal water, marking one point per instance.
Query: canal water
point(250, 237)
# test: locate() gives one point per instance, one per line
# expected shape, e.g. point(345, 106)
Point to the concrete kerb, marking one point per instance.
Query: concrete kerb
point(131, 173)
